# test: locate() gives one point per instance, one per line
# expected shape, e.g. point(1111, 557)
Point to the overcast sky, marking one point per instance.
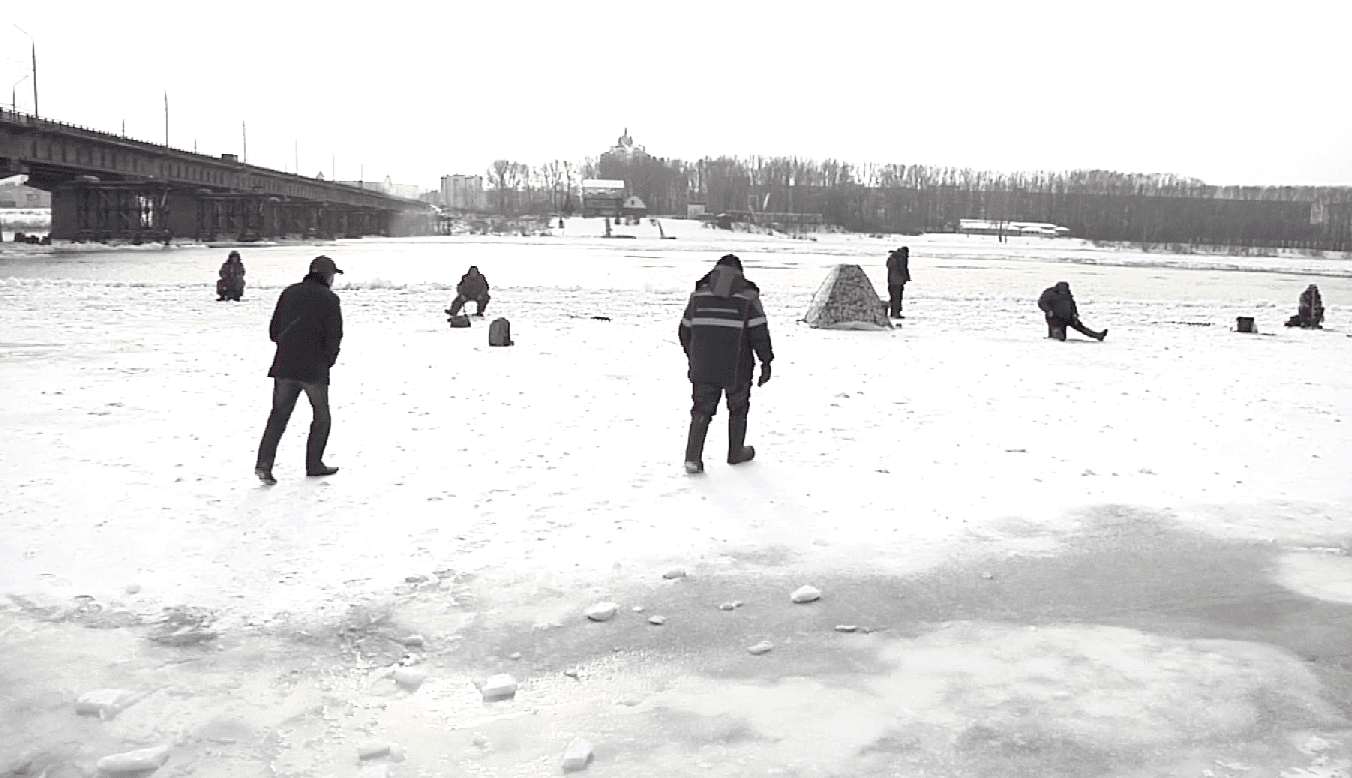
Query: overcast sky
point(1226, 92)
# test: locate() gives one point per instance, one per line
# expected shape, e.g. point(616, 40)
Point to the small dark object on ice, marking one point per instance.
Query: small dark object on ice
point(500, 333)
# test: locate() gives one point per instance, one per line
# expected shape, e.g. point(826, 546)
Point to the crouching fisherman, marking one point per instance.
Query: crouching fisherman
point(230, 285)
point(723, 331)
point(1310, 313)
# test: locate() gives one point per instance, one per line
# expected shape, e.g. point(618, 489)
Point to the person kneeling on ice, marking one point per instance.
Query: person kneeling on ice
point(230, 285)
point(723, 326)
point(1059, 307)
point(472, 286)
point(1310, 314)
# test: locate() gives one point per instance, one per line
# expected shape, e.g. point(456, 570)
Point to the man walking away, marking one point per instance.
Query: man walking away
point(898, 273)
point(723, 326)
point(1058, 306)
point(472, 286)
point(307, 327)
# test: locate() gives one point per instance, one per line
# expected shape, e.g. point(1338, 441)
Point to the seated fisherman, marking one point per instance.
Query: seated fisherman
point(472, 286)
point(1310, 314)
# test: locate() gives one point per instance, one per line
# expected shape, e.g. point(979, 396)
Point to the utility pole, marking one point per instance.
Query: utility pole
point(35, 68)
point(244, 128)
point(297, 150)
point(166, 119)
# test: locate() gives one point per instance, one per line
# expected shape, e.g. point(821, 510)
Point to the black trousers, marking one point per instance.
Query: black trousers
point(285, 392)
point(895, 291)
point(706, 398)
point(1056, 328)
point(481, 301)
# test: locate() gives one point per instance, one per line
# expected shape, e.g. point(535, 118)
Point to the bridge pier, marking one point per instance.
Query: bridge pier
point(149, 211)
point(138, 211)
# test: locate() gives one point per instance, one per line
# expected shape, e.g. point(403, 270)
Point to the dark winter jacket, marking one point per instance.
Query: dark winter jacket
point(472, 285)
point(307, 327)
point(723, 326)
point(1057, 303)
point(898, 268)
point(231, 276)
point(1311, 311)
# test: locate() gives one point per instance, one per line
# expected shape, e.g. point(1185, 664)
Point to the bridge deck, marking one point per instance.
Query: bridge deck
point(97, 179)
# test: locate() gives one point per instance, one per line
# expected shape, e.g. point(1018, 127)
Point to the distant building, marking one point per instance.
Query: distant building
point(694, 206)
point(1000, 227)
point(633, 206)
point(15, 194)
point(602, 197)
point(624, 149)
point(463, 193)
point(407, 191)
point(374, 186)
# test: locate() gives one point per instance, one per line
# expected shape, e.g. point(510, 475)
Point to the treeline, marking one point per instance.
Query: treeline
point(1094, 204)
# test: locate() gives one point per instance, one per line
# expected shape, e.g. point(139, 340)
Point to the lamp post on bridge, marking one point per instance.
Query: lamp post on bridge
point(35, 68)
point(13, 94)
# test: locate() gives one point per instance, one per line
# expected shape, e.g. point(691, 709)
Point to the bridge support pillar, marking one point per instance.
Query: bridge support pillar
point(96, 211)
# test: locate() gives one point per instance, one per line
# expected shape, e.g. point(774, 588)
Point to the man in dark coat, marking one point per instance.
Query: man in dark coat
point(723, 331)
point(472, 286)
point(307, 327)
point(898, 273)
point(230, 286)
point(1059, 307)
point(1310, 313)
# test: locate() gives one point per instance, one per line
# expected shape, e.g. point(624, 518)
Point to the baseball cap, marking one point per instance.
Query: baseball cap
point(322, 264)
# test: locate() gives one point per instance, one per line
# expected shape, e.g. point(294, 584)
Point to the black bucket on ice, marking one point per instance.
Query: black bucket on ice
point(1245, 324)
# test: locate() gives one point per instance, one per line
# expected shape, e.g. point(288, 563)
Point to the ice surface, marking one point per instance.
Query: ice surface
point(134, 402)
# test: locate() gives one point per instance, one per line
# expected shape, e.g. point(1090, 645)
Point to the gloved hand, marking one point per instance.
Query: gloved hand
point(765, 374)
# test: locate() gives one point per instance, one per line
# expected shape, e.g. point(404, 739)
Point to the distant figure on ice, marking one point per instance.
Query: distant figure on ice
point(472, 286)
point(898, 273)
point(1310, 314)
point(723, 325)
point(307, 327)
point(230, 286)
point(1059, 308)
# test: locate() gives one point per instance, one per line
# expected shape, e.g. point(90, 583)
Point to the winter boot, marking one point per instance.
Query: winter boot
point(1058, 333)
point(737, 452)
point(694, 444)
point(1101, 335)
point(265, 475)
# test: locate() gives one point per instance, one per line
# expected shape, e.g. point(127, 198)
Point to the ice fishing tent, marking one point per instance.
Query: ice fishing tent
point(846, 300)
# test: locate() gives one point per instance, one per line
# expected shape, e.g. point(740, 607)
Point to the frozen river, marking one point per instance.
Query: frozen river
point(1165, 508)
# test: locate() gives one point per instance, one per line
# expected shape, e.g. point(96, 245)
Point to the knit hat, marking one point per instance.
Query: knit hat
point(730, 260)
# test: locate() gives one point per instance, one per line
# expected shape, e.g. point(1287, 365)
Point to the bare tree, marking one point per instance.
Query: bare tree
point(506, 176)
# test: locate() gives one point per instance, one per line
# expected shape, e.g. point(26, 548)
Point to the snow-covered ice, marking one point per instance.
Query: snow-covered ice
point(135, 401)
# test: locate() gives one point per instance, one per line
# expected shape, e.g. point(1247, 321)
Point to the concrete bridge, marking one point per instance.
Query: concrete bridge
point(107, 187)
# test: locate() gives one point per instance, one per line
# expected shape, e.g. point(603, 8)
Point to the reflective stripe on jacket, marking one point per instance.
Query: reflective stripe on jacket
point(724, 329)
